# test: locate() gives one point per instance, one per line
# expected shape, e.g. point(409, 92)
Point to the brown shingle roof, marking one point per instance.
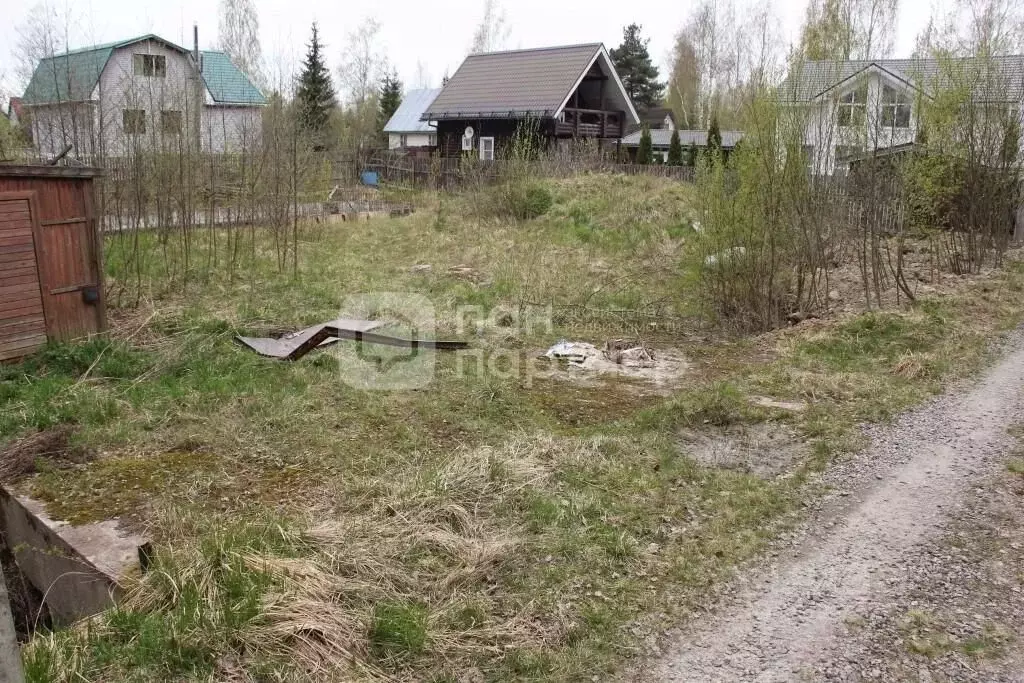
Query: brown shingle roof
point(526, 82)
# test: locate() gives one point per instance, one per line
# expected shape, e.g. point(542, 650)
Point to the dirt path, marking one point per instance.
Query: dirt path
point(863, 552)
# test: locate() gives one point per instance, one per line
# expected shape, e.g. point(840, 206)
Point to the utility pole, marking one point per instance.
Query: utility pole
point(10, 653)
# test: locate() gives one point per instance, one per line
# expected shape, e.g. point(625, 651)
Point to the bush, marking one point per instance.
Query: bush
point(523, 200)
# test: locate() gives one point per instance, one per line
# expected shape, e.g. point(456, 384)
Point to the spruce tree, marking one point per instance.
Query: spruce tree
point(645, 152)
point(390, 98)
point(675, 150)
point(714, 139)
point(637, 71)
point(315, 94)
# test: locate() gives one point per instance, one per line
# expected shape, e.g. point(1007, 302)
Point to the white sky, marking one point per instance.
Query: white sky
point(435, 32)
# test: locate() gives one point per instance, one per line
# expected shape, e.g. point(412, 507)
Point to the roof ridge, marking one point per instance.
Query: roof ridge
point(115, 44)
point(534, 49)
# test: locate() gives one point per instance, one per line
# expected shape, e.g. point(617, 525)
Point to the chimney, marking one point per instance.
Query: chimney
point(195, 45)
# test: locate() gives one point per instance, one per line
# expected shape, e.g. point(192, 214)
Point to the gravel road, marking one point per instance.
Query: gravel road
point(864, 550)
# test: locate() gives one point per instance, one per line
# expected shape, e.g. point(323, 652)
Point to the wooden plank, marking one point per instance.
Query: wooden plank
point(14, 240)
point(36, 325)
point(16, 227)
point(32, 318)
point(12, 339)
point(21, 307)
point(22, 348)
point(21, 277)
point(9, 292)
point(66, 221)
point(13, 206)
point(17, 261)
point(16, 248)
point(95, 252)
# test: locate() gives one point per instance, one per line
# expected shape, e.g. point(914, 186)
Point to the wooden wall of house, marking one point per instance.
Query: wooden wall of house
point(449, 135)
point(49, 244)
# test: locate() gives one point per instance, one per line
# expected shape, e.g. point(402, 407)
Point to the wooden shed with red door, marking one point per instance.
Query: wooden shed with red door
point(51, 264)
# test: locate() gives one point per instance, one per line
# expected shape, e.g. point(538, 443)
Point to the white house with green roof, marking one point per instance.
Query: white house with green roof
point(145, 93)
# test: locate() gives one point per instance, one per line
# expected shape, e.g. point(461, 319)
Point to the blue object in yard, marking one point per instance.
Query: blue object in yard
point(370, 178)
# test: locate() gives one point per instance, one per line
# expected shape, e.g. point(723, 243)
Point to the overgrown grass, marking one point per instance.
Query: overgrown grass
point(496, 524)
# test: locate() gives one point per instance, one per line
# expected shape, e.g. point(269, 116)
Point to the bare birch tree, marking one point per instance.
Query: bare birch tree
point(238, 29)
point(362, 63)
point(849, 29)
point(44, 32)
point(493, 31)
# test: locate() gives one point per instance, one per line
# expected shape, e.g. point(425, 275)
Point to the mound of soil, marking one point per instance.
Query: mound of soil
point(21, 457)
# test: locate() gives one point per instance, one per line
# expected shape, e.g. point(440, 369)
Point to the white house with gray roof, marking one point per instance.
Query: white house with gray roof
point(847, 108)
point(142, 93)
point(405, 130)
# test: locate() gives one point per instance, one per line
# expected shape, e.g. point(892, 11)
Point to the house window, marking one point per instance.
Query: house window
point(487, 149)
point(133, 121)
point(852, 107)
point(845, 152)
point(403, 140)
point(432, 140)
point(170, 122)
point(150, 65)
point(895, 108)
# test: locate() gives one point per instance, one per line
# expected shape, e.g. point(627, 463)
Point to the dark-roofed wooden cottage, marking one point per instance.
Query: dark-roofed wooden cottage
point(567, 93)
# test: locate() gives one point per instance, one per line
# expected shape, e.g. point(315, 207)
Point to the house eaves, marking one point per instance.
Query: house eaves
point(873, 67)
point(536, 83)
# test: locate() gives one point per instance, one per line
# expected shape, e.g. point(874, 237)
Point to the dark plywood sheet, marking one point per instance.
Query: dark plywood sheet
point(287, 345)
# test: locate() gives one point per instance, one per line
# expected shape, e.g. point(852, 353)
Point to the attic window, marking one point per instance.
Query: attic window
point(895, 108)
point(133, 121)
point(852, 106)
point(150, 65)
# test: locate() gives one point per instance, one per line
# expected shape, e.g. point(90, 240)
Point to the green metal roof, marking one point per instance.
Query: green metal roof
point(72, 76)
point(226, 82)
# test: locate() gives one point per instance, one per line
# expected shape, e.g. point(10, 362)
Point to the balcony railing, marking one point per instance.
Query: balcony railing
point(590, 123)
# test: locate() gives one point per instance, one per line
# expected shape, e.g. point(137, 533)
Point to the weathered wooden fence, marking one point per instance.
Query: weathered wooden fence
point(452, 173)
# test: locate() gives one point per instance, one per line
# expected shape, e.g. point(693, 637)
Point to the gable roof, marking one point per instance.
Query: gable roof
point(520, 83)
point(662, 137)
point(654, 117)
point(72, 76)
point(815, 78)
point(407, 118)
point(225, 82)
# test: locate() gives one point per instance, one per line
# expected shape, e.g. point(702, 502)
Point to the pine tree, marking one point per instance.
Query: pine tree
point(714, 139)
point(390, 98)
point(645, 152)
point(315, 93)
point(675, 150)
point(638, 73)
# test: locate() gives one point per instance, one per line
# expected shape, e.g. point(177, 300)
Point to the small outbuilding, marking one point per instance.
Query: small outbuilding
point(51, 270)
point(405, 130)
point(661, 140)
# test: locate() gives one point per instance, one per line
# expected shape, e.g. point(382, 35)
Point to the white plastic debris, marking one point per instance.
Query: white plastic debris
point(573, 352)
point(724, 256)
